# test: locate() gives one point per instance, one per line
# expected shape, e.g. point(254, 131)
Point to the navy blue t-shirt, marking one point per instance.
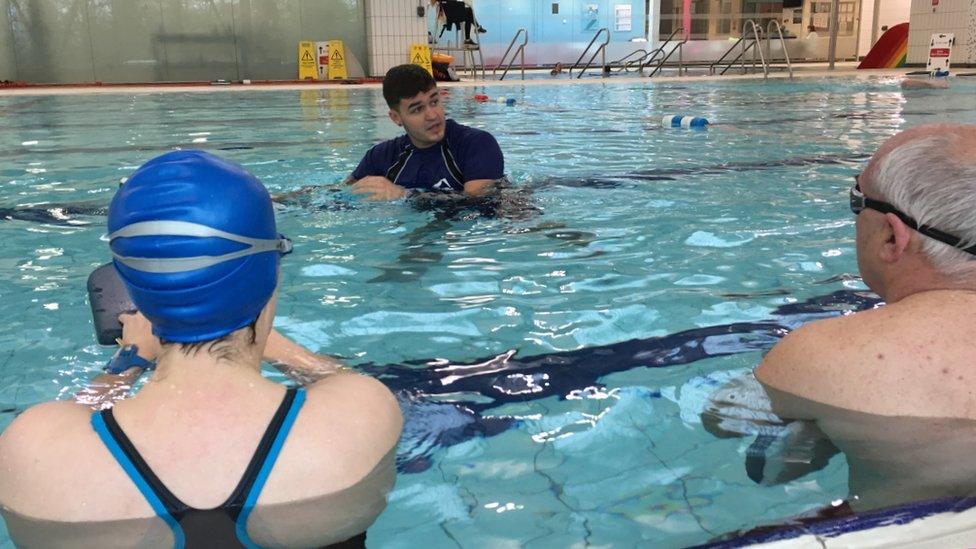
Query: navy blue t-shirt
point(465, 154)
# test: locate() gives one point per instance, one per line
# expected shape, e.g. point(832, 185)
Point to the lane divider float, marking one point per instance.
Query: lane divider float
point(482, 98)
point(688, 122)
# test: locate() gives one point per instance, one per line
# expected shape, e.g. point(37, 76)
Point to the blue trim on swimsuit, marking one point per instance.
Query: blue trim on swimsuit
point(269, 462)
point(98, 424)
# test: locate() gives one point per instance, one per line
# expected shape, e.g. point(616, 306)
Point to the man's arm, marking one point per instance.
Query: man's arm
point(479, 187)
point(378, 188)
point(482, 162)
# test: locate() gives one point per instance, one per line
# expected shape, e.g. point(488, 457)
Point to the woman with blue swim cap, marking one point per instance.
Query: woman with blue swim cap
point(208, 452)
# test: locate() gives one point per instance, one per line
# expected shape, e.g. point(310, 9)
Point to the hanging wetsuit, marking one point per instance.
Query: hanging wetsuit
point(226, 525)
point(465, 154)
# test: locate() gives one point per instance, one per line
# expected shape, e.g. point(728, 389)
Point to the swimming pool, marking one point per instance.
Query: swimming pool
point(701, 246)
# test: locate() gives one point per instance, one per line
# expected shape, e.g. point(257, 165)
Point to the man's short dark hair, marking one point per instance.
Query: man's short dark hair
point(404, 82)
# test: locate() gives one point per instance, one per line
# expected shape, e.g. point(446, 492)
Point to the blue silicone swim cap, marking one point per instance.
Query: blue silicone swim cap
point(194, 240)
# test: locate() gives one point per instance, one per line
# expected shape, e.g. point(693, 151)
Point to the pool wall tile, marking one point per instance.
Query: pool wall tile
point(393, 25)
point(949, 16)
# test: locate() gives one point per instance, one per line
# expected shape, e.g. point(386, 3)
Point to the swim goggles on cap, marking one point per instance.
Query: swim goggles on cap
point(859, 202)
point(281, 245)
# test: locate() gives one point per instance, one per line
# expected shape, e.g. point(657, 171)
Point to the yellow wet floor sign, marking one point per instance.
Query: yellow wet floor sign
point(420, 55)
point(337, 61)
point(307, 66)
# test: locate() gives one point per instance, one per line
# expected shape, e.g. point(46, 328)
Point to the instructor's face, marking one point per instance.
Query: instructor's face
point(422, 116)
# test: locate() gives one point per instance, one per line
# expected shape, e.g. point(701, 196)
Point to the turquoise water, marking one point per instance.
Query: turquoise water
point(622, 230)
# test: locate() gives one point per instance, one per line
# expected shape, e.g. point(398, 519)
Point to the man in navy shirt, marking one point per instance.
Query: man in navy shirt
point(435, 155)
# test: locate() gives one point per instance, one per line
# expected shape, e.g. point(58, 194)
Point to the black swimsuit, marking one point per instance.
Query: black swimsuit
point(225, 525)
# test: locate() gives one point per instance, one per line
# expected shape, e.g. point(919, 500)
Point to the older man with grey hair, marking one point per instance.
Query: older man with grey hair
point(894, 387)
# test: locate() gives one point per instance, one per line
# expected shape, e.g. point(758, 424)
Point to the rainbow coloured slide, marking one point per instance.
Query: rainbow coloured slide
point(890, 51)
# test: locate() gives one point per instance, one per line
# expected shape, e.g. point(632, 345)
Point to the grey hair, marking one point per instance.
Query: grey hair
point(930, 181)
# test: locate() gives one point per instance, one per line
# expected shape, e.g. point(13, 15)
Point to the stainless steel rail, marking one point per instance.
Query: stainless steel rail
point(625, 67)
point(770, 27)
point(680, 50)
point(659, 51)
point(519, 52)
point(746, 43)
point(601, 50)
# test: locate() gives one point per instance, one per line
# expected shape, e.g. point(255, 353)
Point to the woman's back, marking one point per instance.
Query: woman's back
point(327, 484)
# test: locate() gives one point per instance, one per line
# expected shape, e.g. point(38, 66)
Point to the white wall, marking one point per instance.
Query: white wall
point(892, 13)
point(391, 27)
point(955, 16)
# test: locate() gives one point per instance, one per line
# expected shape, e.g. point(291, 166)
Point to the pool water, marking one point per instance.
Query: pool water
point(614, 229)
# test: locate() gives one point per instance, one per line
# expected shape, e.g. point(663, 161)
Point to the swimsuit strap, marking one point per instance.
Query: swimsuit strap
point(163, 502)
point(394, 172)
point(249, 489)
point(451, 164)
point(241, 501)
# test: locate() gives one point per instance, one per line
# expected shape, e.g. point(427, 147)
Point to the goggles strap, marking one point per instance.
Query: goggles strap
point(185, 228)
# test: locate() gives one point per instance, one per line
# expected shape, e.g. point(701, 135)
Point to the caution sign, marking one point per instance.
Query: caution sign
point(940, 50)
point(337, 60)
point(420, 55)
point(307, 67)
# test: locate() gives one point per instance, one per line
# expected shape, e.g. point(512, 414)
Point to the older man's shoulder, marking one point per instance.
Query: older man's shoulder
point(807, 360)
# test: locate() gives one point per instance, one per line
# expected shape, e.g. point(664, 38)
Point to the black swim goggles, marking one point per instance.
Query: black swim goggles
point(859, 202)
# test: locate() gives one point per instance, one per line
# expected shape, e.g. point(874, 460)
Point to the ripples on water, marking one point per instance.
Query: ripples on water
point(613, 229)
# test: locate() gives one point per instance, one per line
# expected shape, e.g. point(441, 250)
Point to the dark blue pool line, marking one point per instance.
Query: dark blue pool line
point(443, 401)
point(834, 527)
point(62, 214)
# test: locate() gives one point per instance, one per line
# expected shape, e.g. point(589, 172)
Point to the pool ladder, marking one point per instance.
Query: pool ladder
point(760, 48)
point(660, 50)
point(519, 52)
point(602, 49)
point(770, 27)
point(629, 62)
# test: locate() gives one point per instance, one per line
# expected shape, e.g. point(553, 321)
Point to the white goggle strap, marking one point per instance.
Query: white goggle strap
point(185, 228)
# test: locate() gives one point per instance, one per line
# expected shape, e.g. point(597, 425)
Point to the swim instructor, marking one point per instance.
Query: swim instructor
point(436, 154)
point(209, 452)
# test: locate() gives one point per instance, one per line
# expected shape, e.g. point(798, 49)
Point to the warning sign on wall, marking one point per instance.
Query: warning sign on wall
point(940, 50)
point(307, 66)
point(420, 55)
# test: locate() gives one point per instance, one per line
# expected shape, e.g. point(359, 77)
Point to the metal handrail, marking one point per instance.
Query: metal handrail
point(518, 52)
point(624, 66)
point(774, 25)
point(757, 48)
point(745, 48)
point(660, 49)
point(602, 49)
point(680, 50)
point(711, 68)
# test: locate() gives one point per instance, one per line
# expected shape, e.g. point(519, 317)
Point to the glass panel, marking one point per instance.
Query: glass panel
point(51, 40)
point(332, 20)
point(723, 19)
point(169, 40)
point(123, 33)
point(197, 41)
point(268, 35)
point(565, 22)
point(8, 63)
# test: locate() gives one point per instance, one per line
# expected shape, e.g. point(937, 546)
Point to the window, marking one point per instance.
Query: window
point(555, 8)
